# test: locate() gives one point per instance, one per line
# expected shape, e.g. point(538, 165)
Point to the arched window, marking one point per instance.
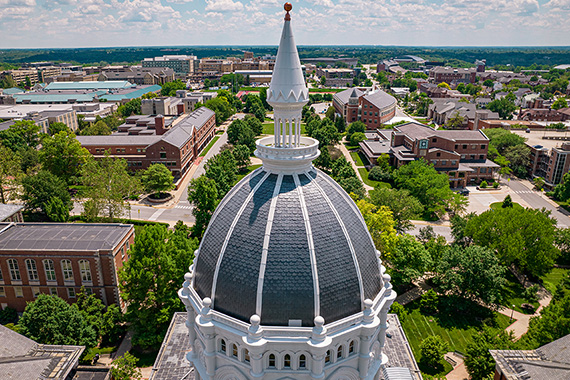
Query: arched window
point(287, 361)
point(271, 361)
point(85, 270)
point(49, 269)
point(328, 357)
point(246, 355)
point(32, 270)
point(67, 270)
point(302, 362)
point(14, 270)
point(339, 352)
point(223, 346)
point(234, 351)
point(351, 347)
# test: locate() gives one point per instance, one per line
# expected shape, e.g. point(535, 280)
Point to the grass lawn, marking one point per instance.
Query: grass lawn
point(269, 128)
point(553, 278)
point(350, 147)
point(97, 350)
point(242, 174)
point(454, 328)
point(359, 159)
point(376, 184)
point(498, 205)
point(209, 146)
point(514, 291)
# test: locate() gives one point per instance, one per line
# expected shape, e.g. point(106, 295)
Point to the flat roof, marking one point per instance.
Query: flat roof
point(536, 138)
point(62, 236)
point(89, 85)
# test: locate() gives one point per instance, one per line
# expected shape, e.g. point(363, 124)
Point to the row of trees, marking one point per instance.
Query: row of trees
point(509, 151)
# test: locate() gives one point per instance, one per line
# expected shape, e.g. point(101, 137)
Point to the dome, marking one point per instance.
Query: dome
point(287, 247)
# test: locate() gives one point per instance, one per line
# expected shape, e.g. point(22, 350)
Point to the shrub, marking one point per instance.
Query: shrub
point(8, 315)
point(357, 137)
point(433, 349)
point(507, 202)
point(399, 310)
point(483, 185)
point(378, 173)
point(495, 185)
point(429, 302)
point(531, 293)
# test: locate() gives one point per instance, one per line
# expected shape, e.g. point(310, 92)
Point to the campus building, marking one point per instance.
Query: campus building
point(373, 108)
point(462, 154)
point(59, 259)
point(181, 64)
point(148, 139)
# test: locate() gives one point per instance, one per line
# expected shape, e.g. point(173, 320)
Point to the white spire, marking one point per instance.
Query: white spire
point(287, 151)
point(287, 83)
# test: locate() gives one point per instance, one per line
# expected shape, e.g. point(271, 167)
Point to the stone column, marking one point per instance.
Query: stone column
point(318, 346)
point(256, 346)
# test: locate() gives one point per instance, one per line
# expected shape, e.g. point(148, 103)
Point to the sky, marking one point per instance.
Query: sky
point(106, 23)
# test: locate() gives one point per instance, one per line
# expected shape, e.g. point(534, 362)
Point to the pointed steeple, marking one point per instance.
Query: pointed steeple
point(287, 83)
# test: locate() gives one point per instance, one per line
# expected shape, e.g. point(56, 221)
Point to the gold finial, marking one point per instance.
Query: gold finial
point(288, 7)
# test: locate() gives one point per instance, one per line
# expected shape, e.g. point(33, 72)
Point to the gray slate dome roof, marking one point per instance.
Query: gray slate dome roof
point(288, 248)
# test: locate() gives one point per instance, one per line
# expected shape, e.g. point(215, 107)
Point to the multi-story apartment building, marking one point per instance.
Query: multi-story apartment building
point(462, 154)
point(451, 75)
point(181, 64)
point(216, 65)
point(138, 75)
point(60, 258)
point(43, 119)
point(373, 108)
point(146, 140)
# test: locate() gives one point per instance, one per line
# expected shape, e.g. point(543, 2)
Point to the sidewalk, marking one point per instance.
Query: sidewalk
point(348, 157)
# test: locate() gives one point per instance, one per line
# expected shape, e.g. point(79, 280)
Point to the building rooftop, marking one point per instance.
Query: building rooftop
point(90, 85)
point(420, 131)
point(62, 236)
point(548, 138)
point(7, 210)
point(380, 99)
point(23, 359)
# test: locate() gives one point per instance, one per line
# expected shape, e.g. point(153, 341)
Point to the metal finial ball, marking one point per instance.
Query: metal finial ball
point(288, 7)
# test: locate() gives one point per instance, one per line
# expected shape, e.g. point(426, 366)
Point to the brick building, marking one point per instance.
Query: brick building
point(451, 75)
point(11, 213)
point(146, 140)
point(535, 114)
point(60, 258)
point(462, 154)
point(373, 108)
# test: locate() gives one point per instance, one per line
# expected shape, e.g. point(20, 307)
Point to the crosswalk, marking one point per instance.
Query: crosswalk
point(524, 192)
point(184, 207)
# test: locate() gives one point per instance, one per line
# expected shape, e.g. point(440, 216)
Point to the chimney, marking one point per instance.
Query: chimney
point(180, 108)
point(159, 125)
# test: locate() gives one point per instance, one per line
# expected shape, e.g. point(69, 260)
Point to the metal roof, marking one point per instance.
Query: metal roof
point(88, 85)
point(62, 236)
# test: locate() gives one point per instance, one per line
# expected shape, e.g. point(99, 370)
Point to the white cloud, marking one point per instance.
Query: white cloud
point(559, 4)
point(223, 5)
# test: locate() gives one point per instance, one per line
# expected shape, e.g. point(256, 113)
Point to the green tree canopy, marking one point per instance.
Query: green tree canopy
point(23, 134)
point(410, 260)
point(100, 128)
point(559, 103)
point(241, 133)
point(222, 168)
point(242, 156)
point(157, 179)
point(57, 127)
point(518, 235)
point(170, 88)
point(432, 349)
point(221, 107)
point(63, 155)
point(203, 194)
point(51, 320)
point(478, 360)
point(504, 107)
point(10, 174)
point(40, 188)
point(355, 127)
point(125, 368)
point(404, 206)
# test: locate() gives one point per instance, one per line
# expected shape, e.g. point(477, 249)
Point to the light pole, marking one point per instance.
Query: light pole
point(512, 312)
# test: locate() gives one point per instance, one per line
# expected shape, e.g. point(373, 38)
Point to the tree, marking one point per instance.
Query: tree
point(222, 169)
point(148, 283)
point(100, 128)
point(343, 172)
point(125, 368)
point(41, 188)
point(504, 107)
point(323, 80)
point(379, 173)
point(559, 103)
point(507, 202)
point(254, 123)
point(429, 302)
point(432, 349)
point(132, 107)
point(203, 194)
point(357, 138)
point(455, 122)
point(538, 183)
point(63, 155)
point(521, 236)
point(429, 186)
point(357, 126)
point(57, 127)
point(157, 179)
point(501, 139)
point(221, 107)
point(444, 85)
point(51, 320)
point(562, 190)
point(330, 113)
point(326, 133)
point(56, 210)
point(399, 310)
point(170, 88)
point(404, 206)
point(519, 158)
point(478, 360)
point(109, 185)
point(488, 83)
point(92, 310)
point(562, 240)
point(10, 174)
point(472, 273)
point(241, 133)
point(23, 134)
point(410, 260)
point(380, 225)
point(340, 124)
point(242, 156)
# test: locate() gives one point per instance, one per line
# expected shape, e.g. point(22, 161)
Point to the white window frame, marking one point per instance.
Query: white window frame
point(67, 271)
point(71, 293)
point(49, 270)
point(14, 270)
point(32, 270)
point(85, 270)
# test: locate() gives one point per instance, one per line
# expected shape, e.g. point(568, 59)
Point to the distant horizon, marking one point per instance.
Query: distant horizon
point(56, 24)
